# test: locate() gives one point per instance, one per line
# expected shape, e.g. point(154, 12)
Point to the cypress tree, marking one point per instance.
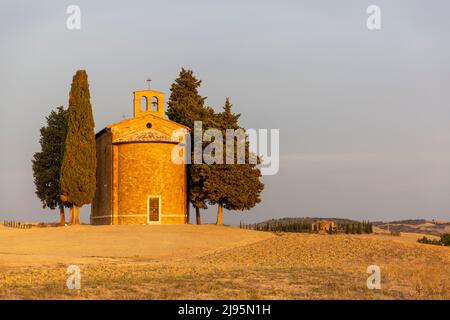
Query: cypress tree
point(46, 164)
point(186, 106)
point(359, 228)
point(347, 229)
point(78, 180)
point(235, 187)
point(232, 186)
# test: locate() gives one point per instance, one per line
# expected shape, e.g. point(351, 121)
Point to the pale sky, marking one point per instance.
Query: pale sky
point(364, 116)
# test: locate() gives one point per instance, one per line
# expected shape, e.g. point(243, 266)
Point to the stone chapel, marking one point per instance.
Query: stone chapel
point(137, 182)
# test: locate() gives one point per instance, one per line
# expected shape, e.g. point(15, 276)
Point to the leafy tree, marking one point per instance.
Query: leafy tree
point(186, 106)
point(46, 164)
point(78, 181)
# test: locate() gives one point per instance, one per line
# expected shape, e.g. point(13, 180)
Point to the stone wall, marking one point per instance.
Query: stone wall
point(101, 205)
point(146, 169)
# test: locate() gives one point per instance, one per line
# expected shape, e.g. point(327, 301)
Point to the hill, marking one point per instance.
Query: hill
point(421, 226)
point(307, 220)
point(211, 262)
point(415, 226)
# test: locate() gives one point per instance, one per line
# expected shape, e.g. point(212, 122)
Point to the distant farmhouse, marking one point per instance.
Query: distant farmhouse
point(137, 182)
point(323, 225)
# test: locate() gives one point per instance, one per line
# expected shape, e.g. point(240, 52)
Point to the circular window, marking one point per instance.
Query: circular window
point(149, 125)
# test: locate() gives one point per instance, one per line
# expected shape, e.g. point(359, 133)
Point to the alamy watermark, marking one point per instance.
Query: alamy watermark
point(374, 280)
point(74, 280)
point(73, 21)
point(374, 19)
point(236, 150)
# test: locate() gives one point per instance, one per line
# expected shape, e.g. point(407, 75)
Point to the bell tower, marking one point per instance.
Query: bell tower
point(149, 101)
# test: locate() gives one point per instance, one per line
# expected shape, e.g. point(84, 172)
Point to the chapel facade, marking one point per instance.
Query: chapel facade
point(137, 181)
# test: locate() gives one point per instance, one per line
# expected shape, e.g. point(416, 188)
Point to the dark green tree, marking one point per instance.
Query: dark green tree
point(235, 187)
point(366, 226)
point(47, 163)
point(78, 180)
point(445, 239)
point(232, 186)
point(359, 228)
point(186, 106)
point(196, 195)
point(347, 228)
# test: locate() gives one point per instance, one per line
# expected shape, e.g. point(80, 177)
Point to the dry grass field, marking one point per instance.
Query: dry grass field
point(210, 262)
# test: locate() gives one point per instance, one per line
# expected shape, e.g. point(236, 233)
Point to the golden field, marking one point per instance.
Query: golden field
point(211, 262)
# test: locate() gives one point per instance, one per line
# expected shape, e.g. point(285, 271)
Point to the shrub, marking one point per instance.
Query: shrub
point(443, 241)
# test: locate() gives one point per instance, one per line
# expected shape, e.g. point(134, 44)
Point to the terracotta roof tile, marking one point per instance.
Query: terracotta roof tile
point(147, 135)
